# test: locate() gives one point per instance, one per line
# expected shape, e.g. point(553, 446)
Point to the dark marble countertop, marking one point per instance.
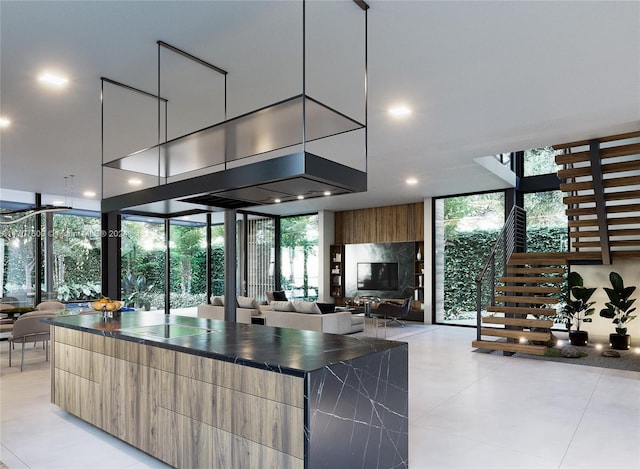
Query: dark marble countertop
point(288, 351)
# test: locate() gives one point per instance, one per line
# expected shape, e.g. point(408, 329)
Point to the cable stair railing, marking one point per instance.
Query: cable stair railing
point(514, 285)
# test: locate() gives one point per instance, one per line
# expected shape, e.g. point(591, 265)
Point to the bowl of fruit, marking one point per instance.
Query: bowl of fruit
point(107, 305)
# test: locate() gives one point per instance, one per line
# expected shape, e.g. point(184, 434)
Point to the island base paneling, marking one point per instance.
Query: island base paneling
point(226, 416)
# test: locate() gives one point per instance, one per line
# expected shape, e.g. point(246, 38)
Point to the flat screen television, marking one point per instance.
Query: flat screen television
point(381, 276)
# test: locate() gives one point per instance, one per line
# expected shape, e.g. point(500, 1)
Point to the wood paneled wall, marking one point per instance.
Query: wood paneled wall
point(392, 224)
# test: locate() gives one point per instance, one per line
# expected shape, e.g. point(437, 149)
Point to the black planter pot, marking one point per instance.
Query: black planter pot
point(578, 338)
point(620, 342)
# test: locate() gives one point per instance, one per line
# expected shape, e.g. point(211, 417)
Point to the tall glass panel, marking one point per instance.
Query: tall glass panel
point(546, 222)
point(143, 264)
point(260, 257)
point(75, 268)
point(188, 287)
point(18, 260)
point(217, 260)
point(539, 161)
point(466, 230)
point(299, 257)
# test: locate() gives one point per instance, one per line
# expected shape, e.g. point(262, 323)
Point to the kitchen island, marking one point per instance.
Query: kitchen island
point(204, 393)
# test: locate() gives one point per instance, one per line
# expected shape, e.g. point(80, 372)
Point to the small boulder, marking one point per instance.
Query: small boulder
point(610, 353)
point(570, 352)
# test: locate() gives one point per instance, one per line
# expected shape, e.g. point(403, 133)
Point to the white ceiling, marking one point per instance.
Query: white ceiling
point(482, 77)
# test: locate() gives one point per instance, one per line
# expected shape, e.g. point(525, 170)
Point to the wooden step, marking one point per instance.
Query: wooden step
point(531, 279)
point(580, 171)
point(583, 222)
point(536, 270)
point(537, 258)
point(576, 186)
point(515, 334)
point(623, 221)
point(527, 289)
point(622, 195)
point(579, 212)
point(621, 167)
point(584, 256)
point(610, 152)
point(542, 323)
point(531, 300)
point(522, 310)
point(579, 199)
point(509, 347)
point(612, 233)
point(596, 244)
point(621, 182)
point(609, 138)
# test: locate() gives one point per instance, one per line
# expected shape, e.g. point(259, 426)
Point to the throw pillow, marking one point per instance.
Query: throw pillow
point(217, 300)
point(247, 302)
point(282, 306)
point(327, 307)
point(279, 296)
point(309, 307)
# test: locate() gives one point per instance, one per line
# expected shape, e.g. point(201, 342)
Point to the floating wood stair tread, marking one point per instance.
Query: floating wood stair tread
point(610, 152)
point(579, 199)
point(515, 334)
point(596, 244)
point(526, 279)
point(527, 289)
point(583, 222)
point(622, 195)
point(522, 310)
point(625, 254)
point(609, 138)
point(540, 323)
point(509, 347)
point(626, 208)
point(612, 233)
point(536, 270)
point(621, 182)
point(576, 186)
point(609, 168)
point(532, 300)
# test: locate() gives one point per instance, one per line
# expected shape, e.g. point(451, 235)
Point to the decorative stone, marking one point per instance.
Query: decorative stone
point(571, 352)
point(610, 353)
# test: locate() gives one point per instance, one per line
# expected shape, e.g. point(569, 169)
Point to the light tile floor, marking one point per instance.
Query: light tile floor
point(467, 410)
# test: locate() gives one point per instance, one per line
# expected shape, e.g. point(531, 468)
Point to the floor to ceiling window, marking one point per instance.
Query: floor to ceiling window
point(75, 259)
point(18, 261)
point(187, 274)
point(466, 228)
point(143, 263)
point(299, 257)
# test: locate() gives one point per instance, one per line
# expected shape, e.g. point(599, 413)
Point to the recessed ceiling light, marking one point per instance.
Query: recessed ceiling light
point(54, 80)
point(327, 193)
point(89, 194)
point(400, 111)
point(300, 197)
point(277, 201)
point(4, 122)
point(57, 202)
point(412, 181)
point(135, 181)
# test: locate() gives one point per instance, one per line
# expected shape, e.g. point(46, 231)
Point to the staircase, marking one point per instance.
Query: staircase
point(525, 300)
point(602, 179)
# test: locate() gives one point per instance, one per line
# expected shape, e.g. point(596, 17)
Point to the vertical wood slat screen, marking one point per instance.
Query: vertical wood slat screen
point(260, 257)
point(392, 224)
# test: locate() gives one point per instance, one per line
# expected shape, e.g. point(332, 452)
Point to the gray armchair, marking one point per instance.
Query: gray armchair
point(30, 329)
point(393, 311)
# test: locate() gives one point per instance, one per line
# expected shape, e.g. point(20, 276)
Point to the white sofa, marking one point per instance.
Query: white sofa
point(341, 322)
point(307, 315)
point(245, 308)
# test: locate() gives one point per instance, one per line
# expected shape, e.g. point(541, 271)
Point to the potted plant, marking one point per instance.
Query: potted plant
point(619, 309)
point(577, 308)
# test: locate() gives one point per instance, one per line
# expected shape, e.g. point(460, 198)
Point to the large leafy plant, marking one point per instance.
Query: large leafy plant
point(577, 307)
point(619, 306)
point(136, 292)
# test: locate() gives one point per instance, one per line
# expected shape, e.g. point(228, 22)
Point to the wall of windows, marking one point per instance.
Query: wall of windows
point(466, 228)
point(18, 261)
point(299, 257)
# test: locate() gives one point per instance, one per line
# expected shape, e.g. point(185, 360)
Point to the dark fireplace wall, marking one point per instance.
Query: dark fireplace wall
point(402, 253)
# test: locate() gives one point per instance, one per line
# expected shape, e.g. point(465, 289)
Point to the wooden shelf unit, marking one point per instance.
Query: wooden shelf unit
point(336, 272)
point(419, 285)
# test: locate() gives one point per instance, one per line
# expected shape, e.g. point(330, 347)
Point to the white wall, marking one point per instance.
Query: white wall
point(598, 276)
point(326, 237)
